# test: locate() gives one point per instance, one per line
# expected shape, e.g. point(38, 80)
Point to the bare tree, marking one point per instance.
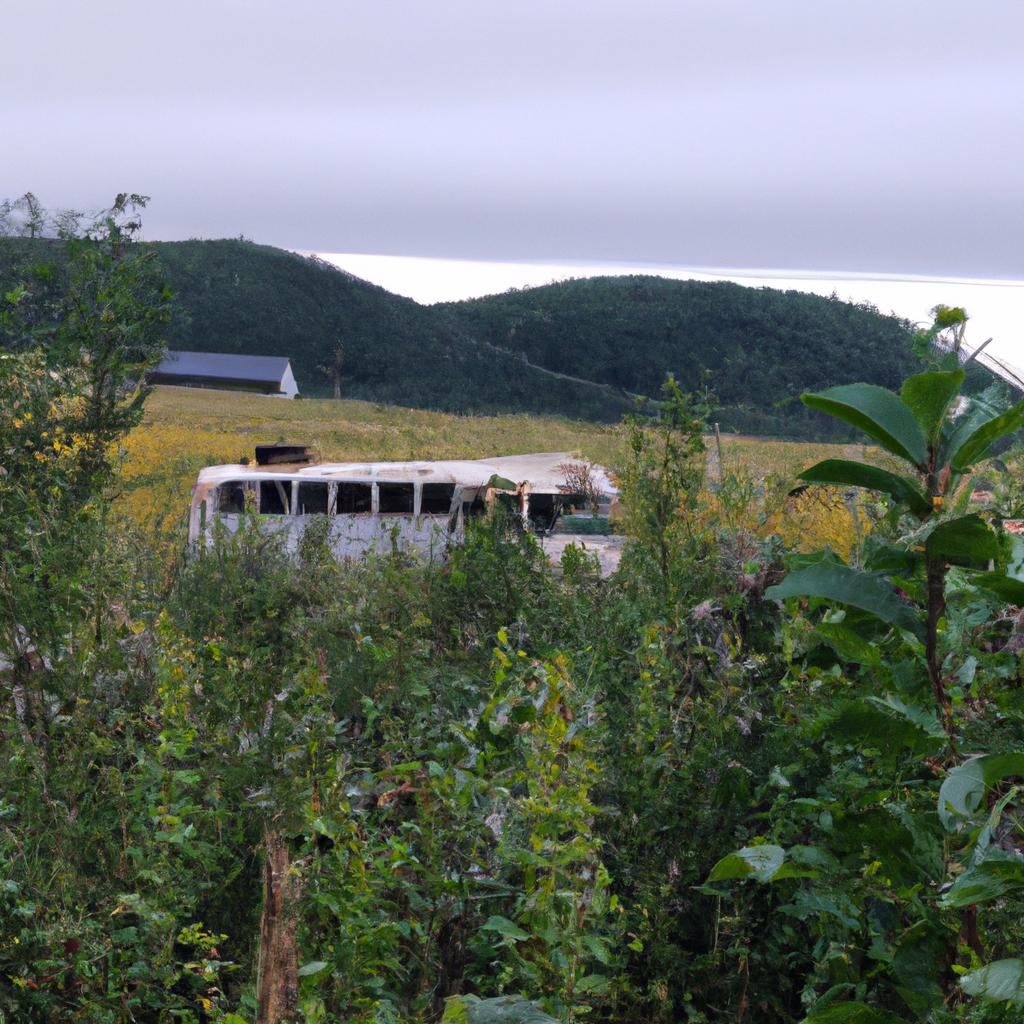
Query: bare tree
point(580, 483)
point(67, 223)
point(33, 216)
point(332, 370)
point(6, 218)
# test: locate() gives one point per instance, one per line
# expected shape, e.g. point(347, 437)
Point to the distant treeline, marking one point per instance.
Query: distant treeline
point(583, 348)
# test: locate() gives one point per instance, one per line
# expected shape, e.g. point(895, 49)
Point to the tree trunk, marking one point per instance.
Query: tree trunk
point(936, 582)
point(277, 978)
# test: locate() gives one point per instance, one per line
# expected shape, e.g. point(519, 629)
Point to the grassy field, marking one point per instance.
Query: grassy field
point(186, 429)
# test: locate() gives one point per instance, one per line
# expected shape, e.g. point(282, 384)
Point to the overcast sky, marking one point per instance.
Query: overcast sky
point(878, 136)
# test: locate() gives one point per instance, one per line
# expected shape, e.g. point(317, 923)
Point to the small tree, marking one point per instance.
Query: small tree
point(891, 625)
point(80, 335)
point(665, 466)
point(917, 426)
point(332, 370)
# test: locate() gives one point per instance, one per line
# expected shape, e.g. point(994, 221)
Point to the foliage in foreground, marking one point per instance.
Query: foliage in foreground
point(271, 787)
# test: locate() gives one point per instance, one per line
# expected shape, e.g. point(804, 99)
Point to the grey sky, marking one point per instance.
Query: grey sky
point(879, 135)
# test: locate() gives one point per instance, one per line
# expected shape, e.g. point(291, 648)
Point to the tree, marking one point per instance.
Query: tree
point(73, 383)
point(665, 467)
point(919, 427)
point(333, 370)
point(897, 634)
point(24, 216)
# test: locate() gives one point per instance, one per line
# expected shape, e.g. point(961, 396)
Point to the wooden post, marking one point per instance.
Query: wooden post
point(277, 977)
point(715, 459)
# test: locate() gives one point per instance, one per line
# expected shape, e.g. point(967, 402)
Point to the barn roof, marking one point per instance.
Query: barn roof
point(223, 366)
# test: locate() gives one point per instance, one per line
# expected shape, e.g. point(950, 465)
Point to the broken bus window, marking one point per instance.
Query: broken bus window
point(231, 497)
point(395, 499)
point(312, 499)
point(275, 497)
point(436, 499)
point(353, 499)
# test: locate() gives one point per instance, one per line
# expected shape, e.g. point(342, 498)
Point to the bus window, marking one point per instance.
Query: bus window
point(275, 497)
point(395, 499)
point(354, 499)
point(312, 499)
point(436, 499)
point(476, 507)
point(231, 498)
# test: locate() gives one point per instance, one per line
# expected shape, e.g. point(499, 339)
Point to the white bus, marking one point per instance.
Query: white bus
point(381, 506)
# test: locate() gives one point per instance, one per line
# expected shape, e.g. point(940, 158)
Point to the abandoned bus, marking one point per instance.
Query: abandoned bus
point(383, 506)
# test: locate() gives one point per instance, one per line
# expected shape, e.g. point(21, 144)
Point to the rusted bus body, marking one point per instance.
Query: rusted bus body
point(412, 506)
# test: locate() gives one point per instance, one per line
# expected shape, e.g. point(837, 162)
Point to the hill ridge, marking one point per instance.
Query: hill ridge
point(580, 348)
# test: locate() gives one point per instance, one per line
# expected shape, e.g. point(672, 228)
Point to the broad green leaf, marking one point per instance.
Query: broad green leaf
point(880, 727)
point(929, 396)
point(963, 789)
point(500, 1010)
point(1001, 980)
point(917, 963)
point(879, 413)
point(964, 451)
point(847, 473)
point(998, 874)
point(924, 719)
point(757, 862)
point(967, 541)
point(851, 1013)
point(848, 643)
point(1006, 588)
point(506, 928)
point(808, 904)
point(836, 582)
point(313, 967)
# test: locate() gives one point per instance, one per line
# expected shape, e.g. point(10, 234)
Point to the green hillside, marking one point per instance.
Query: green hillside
point(581, 348)
point(755, 348)
point(235, 296)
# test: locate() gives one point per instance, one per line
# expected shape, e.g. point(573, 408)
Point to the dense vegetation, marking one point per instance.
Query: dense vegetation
point(579, 349)
point(756, 349)
point(728, 784)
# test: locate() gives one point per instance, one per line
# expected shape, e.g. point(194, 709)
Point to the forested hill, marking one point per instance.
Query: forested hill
point(757, 349)
point(234, 296)
point(581, 348)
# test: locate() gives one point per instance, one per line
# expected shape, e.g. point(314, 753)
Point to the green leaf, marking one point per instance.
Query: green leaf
point(1001, 980)
point(313, 967)
point(929, 396)
point(924, 719)
point(1006, 588)
point(864, 724)
point(847, 473)
point(808, 904)
point(500, 1010)
point(879, 413)
point(963, 789)
point(967, 541)
point(917, 963)
point(972, 443)
point(757, 862)
point(998, 874)
point(847, 643)
point(851, 1013)
point(506, 928)
point(834, 581)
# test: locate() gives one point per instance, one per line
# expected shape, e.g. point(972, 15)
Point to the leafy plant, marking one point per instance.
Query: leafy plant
point(868, 849)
